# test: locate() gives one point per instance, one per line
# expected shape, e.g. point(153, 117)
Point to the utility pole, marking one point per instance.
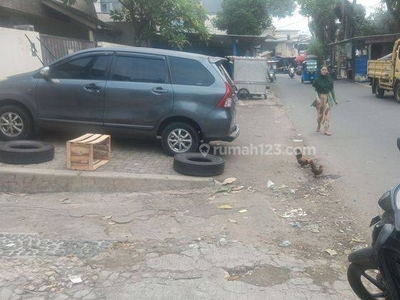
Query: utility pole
point(344, 21)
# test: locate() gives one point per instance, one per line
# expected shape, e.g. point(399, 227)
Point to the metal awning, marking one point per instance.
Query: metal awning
point(80, 16)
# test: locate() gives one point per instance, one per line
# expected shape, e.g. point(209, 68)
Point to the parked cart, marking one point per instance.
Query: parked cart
point(250, 76)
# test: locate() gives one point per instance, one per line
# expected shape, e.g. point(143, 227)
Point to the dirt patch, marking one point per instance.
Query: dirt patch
point(265, 275)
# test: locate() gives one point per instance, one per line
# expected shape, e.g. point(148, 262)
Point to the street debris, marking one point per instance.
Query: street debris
point(294, 213)
point(251, 190)
point(313, 228)
point(65, 201)
point(224, 189)
point(270, 184)
point(285, 244)
point(233, 277)
point(232, 221)
point(229, 181)
point(331, 252)
point(223, 241)
point(225, 206)
point(75, 279)
point(357, 240)
point(242, 211)
point(283, 186)
point(295, 224)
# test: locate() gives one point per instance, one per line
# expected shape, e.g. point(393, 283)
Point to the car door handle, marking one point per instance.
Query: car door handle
point(159, 90)
point(92, 87)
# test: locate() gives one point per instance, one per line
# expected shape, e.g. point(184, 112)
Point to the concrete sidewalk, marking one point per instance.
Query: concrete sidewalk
point(134, 166)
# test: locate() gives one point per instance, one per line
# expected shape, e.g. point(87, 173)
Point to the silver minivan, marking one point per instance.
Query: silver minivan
point(182, 98)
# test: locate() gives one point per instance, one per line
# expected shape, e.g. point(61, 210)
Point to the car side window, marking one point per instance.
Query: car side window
point(88, 67)
point(189, 72)
point(140, 69)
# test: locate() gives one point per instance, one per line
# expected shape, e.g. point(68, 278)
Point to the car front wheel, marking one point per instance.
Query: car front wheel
point(15, 123)
point(179, 138)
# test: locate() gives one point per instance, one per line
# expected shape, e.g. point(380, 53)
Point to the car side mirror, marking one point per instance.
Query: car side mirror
point(45, 73)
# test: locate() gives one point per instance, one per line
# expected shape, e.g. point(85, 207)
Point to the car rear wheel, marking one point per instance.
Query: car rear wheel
point(15, 123)
point(179, 138)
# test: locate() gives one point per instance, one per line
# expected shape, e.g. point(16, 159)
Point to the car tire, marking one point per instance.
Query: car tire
point(15, 123)
point(243, 94)
point(197, 164)
point(179, 138)
point(26, 152)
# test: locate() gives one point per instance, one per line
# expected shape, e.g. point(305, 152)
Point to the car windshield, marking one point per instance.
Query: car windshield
point(311, 65)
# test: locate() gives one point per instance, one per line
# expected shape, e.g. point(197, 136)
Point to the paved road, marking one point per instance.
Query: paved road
point(362, 148)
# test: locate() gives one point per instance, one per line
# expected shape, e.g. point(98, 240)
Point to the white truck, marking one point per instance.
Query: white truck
point(250, 76)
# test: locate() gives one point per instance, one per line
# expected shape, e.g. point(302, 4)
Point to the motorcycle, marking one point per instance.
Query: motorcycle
point(271, 75)
point(374, 272)
point(291, 72)
point(333, 72)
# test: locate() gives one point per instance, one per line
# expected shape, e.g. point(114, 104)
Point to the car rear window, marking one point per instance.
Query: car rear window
point(225, 73)
point(140, 69)
point(186, 71)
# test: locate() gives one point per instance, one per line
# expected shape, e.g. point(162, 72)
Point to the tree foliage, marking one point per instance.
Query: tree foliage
point(393, 7)
point(170, 20)
point(250, 17)
point(379, 22)
point(322, 16)
point(317, 47)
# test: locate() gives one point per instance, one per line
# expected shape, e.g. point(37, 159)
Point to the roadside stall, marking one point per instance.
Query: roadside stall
point(250, 76)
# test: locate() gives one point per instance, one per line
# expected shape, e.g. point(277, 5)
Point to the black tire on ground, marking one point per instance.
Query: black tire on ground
point(197, 164)
point(354, 274)
point(178, 138)
point(26, 152)
point(15, 123)
point(397, 92)
point(243, 94)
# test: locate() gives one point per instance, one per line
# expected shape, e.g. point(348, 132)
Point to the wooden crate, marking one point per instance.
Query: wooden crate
point(88, 152)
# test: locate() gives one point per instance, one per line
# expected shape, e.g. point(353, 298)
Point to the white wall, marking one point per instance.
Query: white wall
point(16, 55)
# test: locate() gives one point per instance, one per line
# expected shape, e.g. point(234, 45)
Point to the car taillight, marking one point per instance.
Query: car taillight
point(226, 100)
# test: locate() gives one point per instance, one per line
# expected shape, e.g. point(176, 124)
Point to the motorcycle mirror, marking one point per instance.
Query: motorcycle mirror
point(398, 143)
